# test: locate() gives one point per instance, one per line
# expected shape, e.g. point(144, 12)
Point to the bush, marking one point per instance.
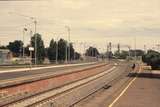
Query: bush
point(152, 58)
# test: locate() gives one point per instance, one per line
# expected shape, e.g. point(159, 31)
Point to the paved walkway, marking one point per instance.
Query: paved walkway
point(144, 91)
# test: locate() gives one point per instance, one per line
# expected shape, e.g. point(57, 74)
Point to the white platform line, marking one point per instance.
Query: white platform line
point(37, 68)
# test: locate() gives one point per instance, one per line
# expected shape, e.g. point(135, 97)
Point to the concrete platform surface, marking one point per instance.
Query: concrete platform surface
point(143, 92)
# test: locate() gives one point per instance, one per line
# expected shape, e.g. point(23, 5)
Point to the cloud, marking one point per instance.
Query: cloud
point(90, 20)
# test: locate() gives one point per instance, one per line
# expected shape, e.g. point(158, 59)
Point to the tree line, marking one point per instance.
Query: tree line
point(152, 58)
point(58, 48)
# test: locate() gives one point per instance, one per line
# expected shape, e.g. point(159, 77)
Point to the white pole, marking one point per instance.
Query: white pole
point(30, 50)
point(68, 29)
point(135, 49)
point(23, 46)
point(35, 22)
point(66, 53)
point(57, 51)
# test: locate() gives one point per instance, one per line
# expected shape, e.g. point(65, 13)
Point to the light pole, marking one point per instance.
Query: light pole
point(35, 25)
point(68, 29)
point(35, 39)
point(129, 48)
point(57, 51)
point(66, 53)
point(24, 29)
point(135, 49)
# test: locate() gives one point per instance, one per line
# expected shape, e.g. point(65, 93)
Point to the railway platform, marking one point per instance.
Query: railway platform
point(142, 92)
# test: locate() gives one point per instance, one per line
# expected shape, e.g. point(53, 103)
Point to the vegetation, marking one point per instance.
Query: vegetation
point(3, 47)
point(40, 47)
point(92, 51)
point(51, 53)
point(121, 55)
point(15, 47)
point(138, 52)
point(152, 58)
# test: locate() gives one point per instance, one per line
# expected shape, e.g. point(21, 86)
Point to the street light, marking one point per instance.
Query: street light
point(129, 48)
point(35, 31)
point(57, 51)
point(68, 29)
point(135, 49)
point(24, 29)
point(35, 25)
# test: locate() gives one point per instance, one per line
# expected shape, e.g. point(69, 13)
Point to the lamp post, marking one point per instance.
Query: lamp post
point(35, 31)
point(135, 56)
point(129, 48)
point(57, 51)
point(24, 29)
point(35, 26)
point(68, 29)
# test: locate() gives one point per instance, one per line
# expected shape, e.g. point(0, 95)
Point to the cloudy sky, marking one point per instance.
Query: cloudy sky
point(95, 22)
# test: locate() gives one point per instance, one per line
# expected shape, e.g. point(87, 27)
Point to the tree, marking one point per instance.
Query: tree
point(138, 52)
point(62, 49)
point(117, 54)
point(124, 54)
point(26, 50)
point(62, 45)
point(40, 47)
point(152, 58)
point(77, 55)
point(92, 51)
point(52, 51)
point(71, 51)
point(15, 47)
point(3, 47)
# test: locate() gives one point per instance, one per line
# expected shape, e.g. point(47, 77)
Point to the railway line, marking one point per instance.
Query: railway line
point(66, 89)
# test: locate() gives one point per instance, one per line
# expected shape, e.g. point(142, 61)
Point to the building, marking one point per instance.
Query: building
point(5, 56)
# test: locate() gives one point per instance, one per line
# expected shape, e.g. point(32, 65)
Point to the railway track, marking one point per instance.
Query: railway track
point(70, 93)
point(22, 88)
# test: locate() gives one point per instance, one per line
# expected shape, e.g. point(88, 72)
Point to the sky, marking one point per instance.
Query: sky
point(92, 22)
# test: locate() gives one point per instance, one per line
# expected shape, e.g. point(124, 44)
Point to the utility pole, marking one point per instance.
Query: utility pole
point(135, 49)
point(23, 46)
point(66, 53)
point(24, 29)
point(118, 48)
point(110, 50)
point(57, 51)
point(129, 48)
point(84, 50)
point(35, 40)
point(68, 29)
point(35, 24)
point(145, 49)
point(74, 44)
point(31, 49)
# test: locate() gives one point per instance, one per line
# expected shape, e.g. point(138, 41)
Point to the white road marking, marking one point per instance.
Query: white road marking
point(122, 93)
